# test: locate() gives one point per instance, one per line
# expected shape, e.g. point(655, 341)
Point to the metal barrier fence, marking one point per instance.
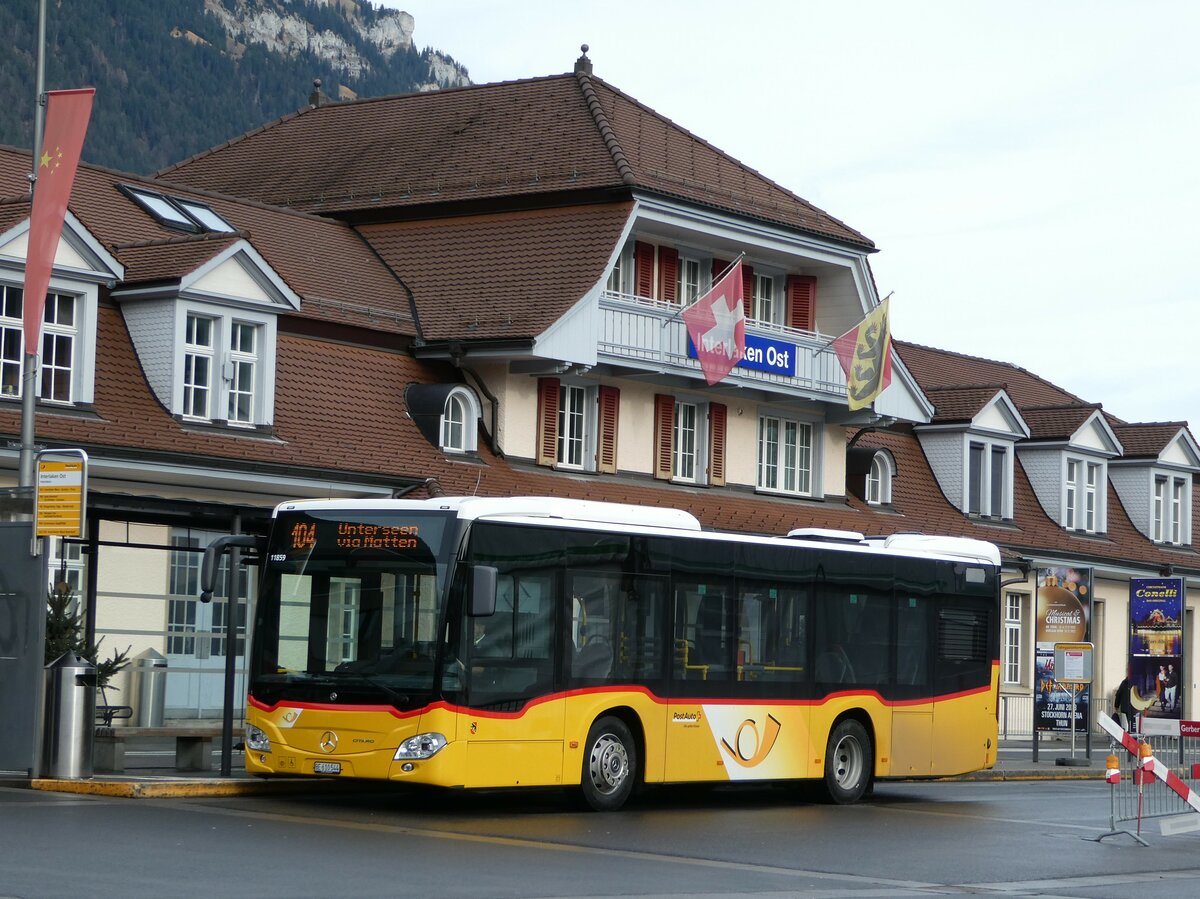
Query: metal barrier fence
point(1163, 789)
point(1016, 715)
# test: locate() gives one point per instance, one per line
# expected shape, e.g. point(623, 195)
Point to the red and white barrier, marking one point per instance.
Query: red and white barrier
point(1148, 762)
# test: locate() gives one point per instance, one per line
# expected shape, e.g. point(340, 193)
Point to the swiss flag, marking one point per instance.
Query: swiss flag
point(67, 114)
point(717, 326)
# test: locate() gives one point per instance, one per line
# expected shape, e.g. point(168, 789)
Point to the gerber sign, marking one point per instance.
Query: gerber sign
point(763, 354)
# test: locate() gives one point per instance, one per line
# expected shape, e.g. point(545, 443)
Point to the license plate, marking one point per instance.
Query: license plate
point(327, 767)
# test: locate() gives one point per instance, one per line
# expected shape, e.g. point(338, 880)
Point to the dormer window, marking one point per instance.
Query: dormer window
point(64, 375)
point(1083, 495)
point(1170, 522)
point(989, 479)
point(1082, 508)
point(879, 480)
point(459, 415)
point(221, 372)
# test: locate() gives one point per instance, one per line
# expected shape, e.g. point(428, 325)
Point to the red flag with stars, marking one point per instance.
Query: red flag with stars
point(67, 114)
point(717, 326)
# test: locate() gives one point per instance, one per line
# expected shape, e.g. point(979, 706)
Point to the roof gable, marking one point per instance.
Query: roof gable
point(1082, 428)
point(984, 407)
point(78, 251)
point(1169, 443)
point(240, 272)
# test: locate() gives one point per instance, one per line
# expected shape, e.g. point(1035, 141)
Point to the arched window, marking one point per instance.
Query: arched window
point(458, 426)
point(879, 480)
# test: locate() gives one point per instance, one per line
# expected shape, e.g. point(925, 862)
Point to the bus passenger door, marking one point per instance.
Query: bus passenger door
point(964, 720)
point(912, 714)
point(512, 739)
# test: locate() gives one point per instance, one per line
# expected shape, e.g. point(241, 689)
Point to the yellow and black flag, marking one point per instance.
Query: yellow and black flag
point(865, 352)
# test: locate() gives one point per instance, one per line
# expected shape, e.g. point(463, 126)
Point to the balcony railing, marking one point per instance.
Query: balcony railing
point(650, 334)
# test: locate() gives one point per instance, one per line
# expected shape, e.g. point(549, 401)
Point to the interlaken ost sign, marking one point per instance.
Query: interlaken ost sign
point(777, 357)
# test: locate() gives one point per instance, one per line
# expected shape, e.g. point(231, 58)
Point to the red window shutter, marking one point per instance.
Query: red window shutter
point(643, 268)
point(664, 434)
point(606, 442)
point(719, 266)
point(802, 301)
point(668, 272)
point(547, 421)
point(747, 289)
point(717, 413)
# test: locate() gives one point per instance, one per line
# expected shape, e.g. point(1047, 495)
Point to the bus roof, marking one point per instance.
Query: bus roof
point(559, 510)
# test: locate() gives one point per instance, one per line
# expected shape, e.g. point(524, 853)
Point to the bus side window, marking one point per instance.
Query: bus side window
point(912, 640)
point(705, 632)
point(784, 653)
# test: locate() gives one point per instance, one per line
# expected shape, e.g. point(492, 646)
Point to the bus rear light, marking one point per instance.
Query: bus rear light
point(422, 746)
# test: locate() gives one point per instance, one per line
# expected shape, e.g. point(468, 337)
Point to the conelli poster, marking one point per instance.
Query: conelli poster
point(1156, 651)
point(1064, 615)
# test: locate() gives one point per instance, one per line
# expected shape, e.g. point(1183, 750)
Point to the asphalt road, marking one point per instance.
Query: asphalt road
point(1034, 838)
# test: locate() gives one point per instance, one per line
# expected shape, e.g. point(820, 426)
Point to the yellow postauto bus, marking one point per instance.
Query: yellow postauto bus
point(534, 641)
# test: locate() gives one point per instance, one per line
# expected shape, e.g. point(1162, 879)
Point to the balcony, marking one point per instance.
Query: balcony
point(640, 333)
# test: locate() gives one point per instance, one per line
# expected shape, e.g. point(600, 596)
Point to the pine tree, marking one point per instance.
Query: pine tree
point(64, 633)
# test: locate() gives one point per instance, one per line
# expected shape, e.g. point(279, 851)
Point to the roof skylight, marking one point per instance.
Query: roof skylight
point(179, 213)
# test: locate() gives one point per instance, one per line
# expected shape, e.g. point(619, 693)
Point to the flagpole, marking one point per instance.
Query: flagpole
point(829, 345)
point(717, 280)
point(29, 377)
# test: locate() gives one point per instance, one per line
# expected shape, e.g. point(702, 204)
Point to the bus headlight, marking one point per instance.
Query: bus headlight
point(422, 746)
point(256, 740)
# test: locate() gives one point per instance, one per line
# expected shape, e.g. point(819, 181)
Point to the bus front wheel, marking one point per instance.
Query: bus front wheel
point(848, 759)
point(609, 765)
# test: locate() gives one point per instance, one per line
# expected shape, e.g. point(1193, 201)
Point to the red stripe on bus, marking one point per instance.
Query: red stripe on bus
point(587, 691)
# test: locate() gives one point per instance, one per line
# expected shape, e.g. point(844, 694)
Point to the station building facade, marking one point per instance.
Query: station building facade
point(479, 291)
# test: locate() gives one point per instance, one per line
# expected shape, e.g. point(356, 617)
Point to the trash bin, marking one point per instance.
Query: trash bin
point(148, 691)
point(70, 718)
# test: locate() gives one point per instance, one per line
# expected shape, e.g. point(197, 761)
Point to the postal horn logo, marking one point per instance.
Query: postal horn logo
point(750, 746)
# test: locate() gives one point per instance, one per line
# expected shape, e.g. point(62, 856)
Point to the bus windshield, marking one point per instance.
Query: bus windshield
point(350, 607)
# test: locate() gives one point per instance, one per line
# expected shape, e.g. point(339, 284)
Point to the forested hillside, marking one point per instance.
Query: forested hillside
point(172, 79)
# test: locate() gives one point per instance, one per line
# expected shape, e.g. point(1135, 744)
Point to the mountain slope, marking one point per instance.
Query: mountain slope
point(174, 77)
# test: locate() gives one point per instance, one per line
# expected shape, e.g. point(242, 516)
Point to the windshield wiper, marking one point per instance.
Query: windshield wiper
point(371, 680)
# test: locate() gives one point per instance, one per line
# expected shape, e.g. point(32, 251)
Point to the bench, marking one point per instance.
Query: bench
point(106, 713)
point(193, 745)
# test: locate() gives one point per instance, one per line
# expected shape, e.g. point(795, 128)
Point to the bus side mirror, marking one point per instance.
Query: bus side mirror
point(483, 591)
point(212, 559)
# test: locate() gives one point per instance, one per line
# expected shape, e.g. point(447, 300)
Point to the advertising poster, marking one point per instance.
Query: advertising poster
point(1156, 646)
point(1064, 615)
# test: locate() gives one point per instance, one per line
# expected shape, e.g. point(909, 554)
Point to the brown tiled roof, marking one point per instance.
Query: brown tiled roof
point(169, 261)
point(504, 276)
point(935, 368)
point(337, 407)
point(917, 496)
point(511, 141)
point(1146, 440)
point(351, 386)
point(953, 404)
point(1055, 422)
point(13, 211)
point(338, 277)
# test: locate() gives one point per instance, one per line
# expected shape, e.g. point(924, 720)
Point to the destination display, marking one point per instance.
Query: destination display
point(299, 535)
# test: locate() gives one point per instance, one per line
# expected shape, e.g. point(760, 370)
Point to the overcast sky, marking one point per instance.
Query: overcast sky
point(1027, 170)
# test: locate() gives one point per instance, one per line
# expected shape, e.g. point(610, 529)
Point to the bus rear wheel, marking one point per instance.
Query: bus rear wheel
point(609, 765)
point(848, 758)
